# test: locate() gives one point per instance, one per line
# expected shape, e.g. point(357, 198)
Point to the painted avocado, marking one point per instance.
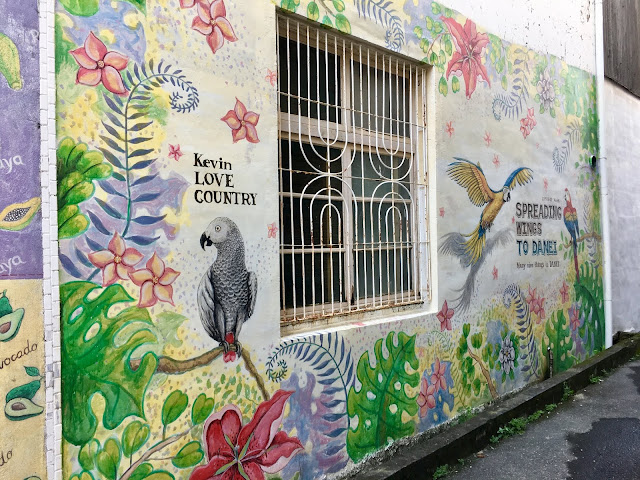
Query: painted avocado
point(21, 409)
point(10, 321)
point(32, 478)
point(18, 216)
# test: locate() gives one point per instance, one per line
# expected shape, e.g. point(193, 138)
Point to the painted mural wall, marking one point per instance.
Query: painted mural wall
point(158, 380)
point(22, 369)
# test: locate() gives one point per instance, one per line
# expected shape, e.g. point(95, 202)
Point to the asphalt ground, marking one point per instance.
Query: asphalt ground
point(593, 435)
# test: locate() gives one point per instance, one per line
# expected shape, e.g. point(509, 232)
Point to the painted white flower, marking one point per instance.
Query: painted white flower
point(546, 90)
point(507, 355)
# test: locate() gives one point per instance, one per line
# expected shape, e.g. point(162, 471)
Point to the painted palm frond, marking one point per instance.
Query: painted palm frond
point(382, 12)
point(513, 296)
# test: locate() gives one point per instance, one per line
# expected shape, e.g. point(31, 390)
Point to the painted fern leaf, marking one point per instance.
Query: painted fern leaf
point(382, 12)
point(514, 296)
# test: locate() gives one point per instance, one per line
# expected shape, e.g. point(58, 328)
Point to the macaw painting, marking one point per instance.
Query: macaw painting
point(173, 364)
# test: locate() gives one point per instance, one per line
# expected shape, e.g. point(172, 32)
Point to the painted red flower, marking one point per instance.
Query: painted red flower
point(236, 452)
point(531, 298)
point(442, 211)
point(495, 272)
point(426, 398)
point(437, 377)
point(527, 124)
point(271, 77)
point(564, 292)
point(449, 128)
point(496, 160)
point(272, 230)
point(574, 316)
point(242, 123)
point(174, 151)
point(212, 22)
point(99, 65)
point(444, 316)
point(154, 282)
point(487, 138)
point(467, 59)
point(538, 308)
point(116, 262)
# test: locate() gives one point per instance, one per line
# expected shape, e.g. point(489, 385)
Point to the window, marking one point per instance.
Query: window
point(352, 149)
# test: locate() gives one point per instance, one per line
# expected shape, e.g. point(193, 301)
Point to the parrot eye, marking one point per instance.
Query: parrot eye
point(218, 228)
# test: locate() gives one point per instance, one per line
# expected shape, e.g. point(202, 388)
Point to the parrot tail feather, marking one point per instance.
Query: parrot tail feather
point(475, 245)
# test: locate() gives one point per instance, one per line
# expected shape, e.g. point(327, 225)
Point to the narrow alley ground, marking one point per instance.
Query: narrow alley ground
point(594, 435)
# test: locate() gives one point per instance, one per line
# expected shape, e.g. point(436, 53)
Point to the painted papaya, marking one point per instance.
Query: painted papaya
point(10, 62)
point(21, 408)
point(18, 216)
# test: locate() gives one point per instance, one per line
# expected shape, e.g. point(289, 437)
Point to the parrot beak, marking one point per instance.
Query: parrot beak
point(205, 241)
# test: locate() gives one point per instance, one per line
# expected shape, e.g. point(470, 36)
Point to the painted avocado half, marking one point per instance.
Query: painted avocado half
point(10, 320)
point(21, 408)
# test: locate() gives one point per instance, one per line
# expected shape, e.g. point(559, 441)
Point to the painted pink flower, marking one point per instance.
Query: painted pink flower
point(467, 59)
point(426, 398)
point(531, 298)
point(242, 123)
point(272, 230)
point(99, 65)
point(574, 316)
point(487, 138)
point(212, 22)
point(174, 151)
point(116, 262)
point(190, 3)
point(546, 183)
point(271, 77)
point(564, 292)
point(538, 308)
point(236, 452)
point(154, 282)
point(437, 377)
point(449, 128)
point(444, 316)
point(495, 272)
point(442, 211)
point(527, 123)
point(496, 160)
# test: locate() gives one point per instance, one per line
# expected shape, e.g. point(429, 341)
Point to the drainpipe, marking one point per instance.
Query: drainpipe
point(602, 167)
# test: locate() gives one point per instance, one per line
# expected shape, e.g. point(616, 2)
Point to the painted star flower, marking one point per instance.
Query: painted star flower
point(442, 211)
point(467, 59)
point(444, 316)
point(236, 452)
point(538, 308)
point(426, 398)
point(496, 160)
point(437, 377)
point(531, 298)
point(242, 123)
point(564, 292)
point(97, 65)
point(449, 128)
point(507, 355)
point(116, 262)
point(212, 22)
point(272, 230)
point(495, 272)
point(271, 77)
point(487, 138)
point(574, 316)
point(174, 151)
point(154, 282)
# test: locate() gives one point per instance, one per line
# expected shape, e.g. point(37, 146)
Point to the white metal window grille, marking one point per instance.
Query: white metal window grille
point(352, 147)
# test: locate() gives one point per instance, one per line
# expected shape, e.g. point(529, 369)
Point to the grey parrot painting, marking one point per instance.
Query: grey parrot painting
point(227, 292)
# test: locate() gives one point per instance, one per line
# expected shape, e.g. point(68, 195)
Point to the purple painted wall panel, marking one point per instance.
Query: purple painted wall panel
point(20, 242)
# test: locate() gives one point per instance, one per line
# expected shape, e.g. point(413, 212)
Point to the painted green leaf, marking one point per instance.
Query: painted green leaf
point(429, 23)
point(108, 459)
point(455, 84)
point(435, 8)
point(433, 59)
point(342, 23)
point(87, 455)
point(417, 31)
point(338, 5)
point(99, 364)
point(424, 46)
point(32, 371)
point(327, 21)
point(146, 472)
point(134, 437)
point(313, 12)
point(476, 340)
point(503, 82)
point(189, 455)
point(139, 4)
point(202, 408)
point(448, 12)
point(558, 337)
point(174, 405)
point(448, 46)
point(382, 399)
point(290, 5)
point(438, 27)
point(82, 476)
point(443, 88)
point(81, 8)
point(76, 170)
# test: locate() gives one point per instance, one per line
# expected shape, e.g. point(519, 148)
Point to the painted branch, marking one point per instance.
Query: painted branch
point(584, 237)
point(252, 369)
point(147, 455)
point(487, 375)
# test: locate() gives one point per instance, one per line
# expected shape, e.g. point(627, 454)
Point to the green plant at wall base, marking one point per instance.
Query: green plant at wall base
point(558, 337)
point(77, 168)
point(383, 400)
point(94, 363)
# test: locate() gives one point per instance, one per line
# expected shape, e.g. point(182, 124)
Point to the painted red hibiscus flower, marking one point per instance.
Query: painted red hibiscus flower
point(212, 22)
point(444, 316)
point(426, 397)
point(97, 65)
point(467, 59)
point(437, 377)
point(235, 451)
point(242, 123)
point(116, 262)
point(154, 282)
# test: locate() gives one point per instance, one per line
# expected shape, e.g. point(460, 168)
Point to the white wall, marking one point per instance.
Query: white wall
point(622, 123)
point(564, 28)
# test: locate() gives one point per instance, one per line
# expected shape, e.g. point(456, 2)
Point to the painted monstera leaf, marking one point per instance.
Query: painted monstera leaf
point(382, 400)
point(96, 355)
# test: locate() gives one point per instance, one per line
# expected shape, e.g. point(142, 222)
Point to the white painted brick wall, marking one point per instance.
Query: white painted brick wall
point(51, 295)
